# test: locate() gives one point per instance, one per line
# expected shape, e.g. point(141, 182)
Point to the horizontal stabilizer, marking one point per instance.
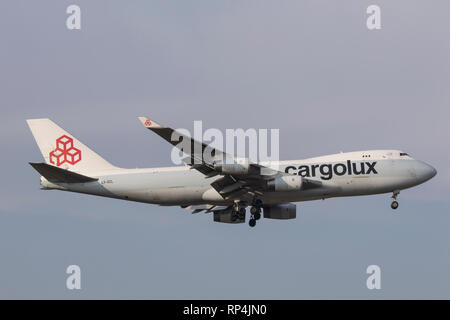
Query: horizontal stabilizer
point(55, 174)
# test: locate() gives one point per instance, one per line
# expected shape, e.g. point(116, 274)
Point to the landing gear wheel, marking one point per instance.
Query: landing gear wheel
point(257, 216)
point(234, 217)
point(394, 205)
point(252, 223)
point(254, 210)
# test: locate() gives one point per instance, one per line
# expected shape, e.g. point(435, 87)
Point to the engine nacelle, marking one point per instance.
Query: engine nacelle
point(238, 166)
point(281, 211)
point(285, 183)
point(226, 216)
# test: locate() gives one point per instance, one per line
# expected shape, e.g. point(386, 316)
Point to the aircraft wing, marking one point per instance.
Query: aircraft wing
point(196, 149)
point(210, 162)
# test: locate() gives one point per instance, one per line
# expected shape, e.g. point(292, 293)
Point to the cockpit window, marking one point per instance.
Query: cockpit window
point(403, 154)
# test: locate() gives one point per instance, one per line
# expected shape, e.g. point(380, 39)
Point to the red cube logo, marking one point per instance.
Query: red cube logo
point(57, 157)
point(64, 143)
point(73, 155)
point(64, 152)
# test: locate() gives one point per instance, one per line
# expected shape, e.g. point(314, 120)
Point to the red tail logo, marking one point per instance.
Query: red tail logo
point(65, 152)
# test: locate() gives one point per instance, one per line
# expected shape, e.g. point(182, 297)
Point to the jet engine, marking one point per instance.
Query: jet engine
point(237, 166)
point(232, 168)
point(281, 211)
point(226, 216)
point(285, 183)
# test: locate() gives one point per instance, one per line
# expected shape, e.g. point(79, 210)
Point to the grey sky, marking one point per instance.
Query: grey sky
point(310, 68)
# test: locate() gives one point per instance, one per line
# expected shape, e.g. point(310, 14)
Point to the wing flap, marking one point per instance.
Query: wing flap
point(205, 207)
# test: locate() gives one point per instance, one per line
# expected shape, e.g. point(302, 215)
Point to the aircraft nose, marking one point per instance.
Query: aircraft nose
point(433, 172)
point(424, 171)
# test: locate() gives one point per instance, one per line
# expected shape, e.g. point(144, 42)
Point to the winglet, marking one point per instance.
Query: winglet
point(149, 123)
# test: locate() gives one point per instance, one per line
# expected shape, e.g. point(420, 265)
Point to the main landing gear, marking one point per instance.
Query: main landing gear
point(255, 212)
point(238, 213)
point(394, 204)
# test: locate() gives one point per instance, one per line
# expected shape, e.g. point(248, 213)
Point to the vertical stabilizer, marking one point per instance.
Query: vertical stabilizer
point(63, 150)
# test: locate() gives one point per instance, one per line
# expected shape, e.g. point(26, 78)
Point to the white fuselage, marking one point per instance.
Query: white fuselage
point(343, 174)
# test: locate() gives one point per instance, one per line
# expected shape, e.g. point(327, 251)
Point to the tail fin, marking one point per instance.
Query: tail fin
point(63, 150)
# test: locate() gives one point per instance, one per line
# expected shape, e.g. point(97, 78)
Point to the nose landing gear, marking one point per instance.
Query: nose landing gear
point(394, 204)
